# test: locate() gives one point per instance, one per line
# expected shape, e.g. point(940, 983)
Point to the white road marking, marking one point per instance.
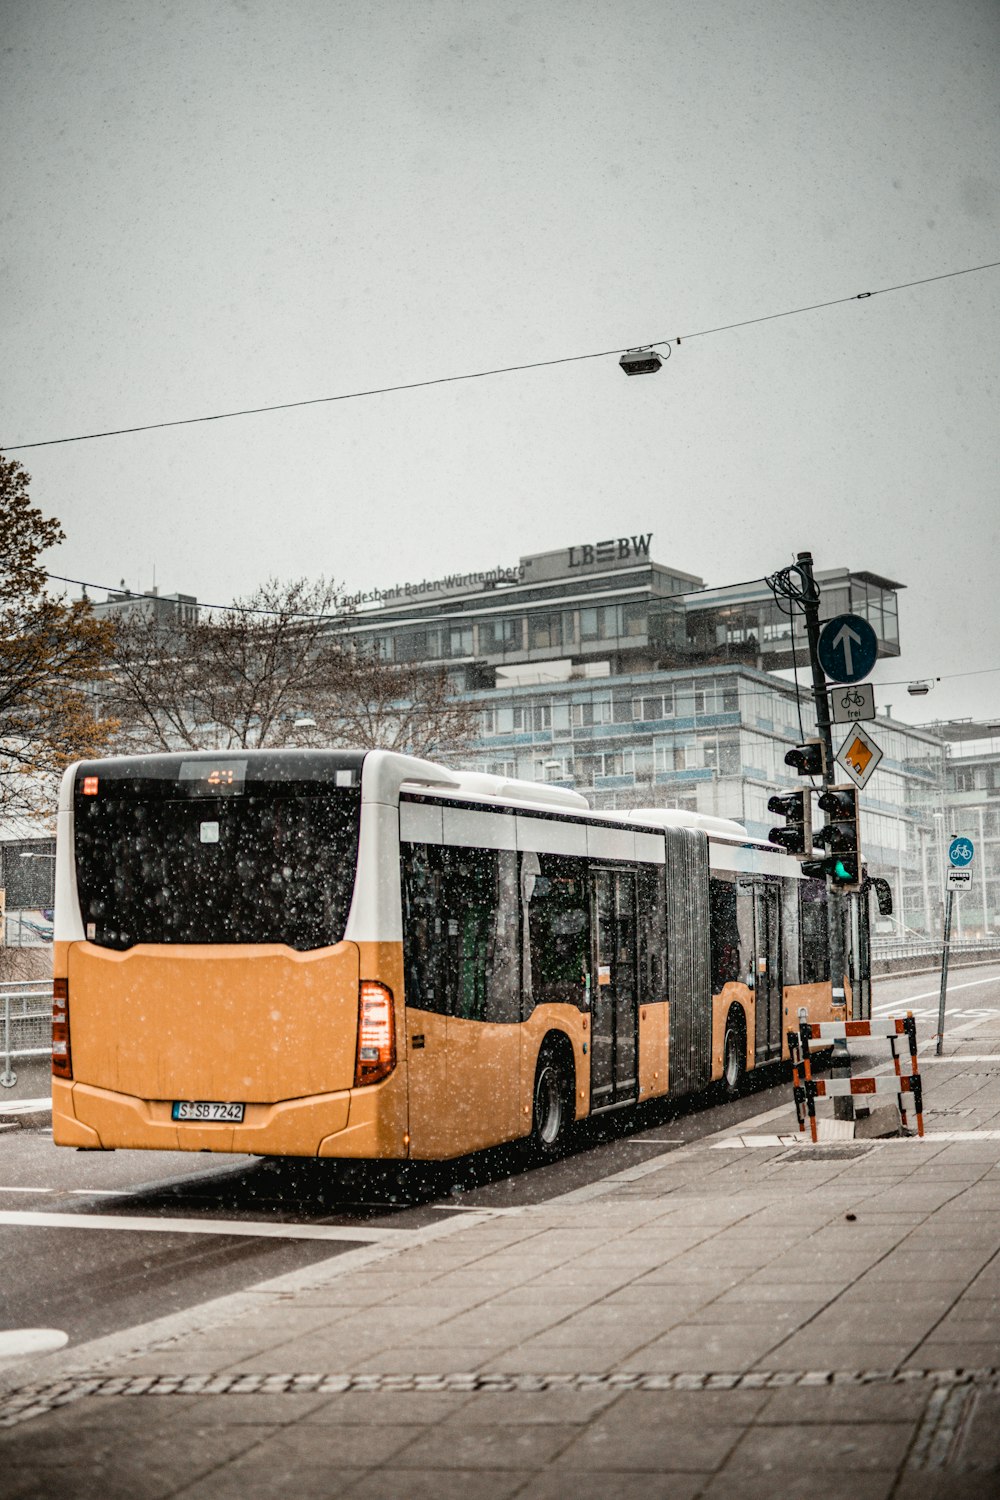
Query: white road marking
point(81, 1192)
point(650, 1140)
point(20, 1343)
point(961, 1057)
point(929, 1138)
point(17, 1219)
point(969, 984)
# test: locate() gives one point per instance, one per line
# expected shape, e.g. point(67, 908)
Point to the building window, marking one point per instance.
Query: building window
point(544, 632)
point(599, 624)
point(729, 757)
point(499, 635)
point(597, 711)
point(635, 619)
point(560, 718)
point(614, 763)
point(413, 645)
point(459, 639)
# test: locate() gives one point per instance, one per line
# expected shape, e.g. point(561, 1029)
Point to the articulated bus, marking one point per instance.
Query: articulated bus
point(366, 955)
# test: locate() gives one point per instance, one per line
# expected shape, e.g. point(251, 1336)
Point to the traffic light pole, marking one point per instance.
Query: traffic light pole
point(835, 902)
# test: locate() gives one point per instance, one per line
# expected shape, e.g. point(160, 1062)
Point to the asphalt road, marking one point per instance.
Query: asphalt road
point(92, 1243)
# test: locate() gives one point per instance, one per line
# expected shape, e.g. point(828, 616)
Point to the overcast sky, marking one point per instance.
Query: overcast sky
point(213, 205)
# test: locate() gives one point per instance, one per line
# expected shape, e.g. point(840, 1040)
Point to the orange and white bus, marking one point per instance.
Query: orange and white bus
point(367, 955)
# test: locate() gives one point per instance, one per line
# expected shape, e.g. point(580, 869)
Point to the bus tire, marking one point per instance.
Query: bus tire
point(552, 1102)
point(734, 1054)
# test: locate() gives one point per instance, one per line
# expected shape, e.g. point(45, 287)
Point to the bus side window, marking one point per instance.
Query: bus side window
point(559, 925)
point(503, 974)
point(815, 965)
point(470, 906)
point(423, 927)
point(725, 934)
point(652, 935)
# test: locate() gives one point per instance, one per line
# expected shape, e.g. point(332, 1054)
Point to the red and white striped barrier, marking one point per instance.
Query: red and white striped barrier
point(806, 1089)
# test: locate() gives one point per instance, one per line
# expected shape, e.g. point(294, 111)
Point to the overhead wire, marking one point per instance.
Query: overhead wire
point(537, 364)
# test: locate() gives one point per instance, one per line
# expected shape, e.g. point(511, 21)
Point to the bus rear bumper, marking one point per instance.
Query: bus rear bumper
point(86, 1116)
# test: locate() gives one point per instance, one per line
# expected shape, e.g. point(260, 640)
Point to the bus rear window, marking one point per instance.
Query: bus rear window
point(273, 865)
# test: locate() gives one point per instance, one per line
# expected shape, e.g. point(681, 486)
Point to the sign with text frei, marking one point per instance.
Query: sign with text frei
point(852, 702)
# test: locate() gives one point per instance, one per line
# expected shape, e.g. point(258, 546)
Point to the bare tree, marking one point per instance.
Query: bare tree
point(236, 679)
point(50, 651)
point(276, 669)
point(403, 707)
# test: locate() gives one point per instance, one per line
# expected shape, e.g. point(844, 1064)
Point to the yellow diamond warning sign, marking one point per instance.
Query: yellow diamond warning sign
point(859, 755)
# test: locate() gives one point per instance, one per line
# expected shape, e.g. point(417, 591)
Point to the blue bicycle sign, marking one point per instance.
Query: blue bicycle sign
point(960, 852)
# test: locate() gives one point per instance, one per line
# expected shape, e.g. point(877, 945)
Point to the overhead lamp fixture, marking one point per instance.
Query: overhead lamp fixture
point(918, 689)
point(640, 361)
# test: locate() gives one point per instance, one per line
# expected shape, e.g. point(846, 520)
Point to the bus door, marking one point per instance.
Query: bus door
point(767, 979)
point(614, 999)
point(462, 981)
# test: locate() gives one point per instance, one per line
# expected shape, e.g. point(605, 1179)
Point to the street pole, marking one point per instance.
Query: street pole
point(822, 703)
point(944, 972)
point(840, 1061)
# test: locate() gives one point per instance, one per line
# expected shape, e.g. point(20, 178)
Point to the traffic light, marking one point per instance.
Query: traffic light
point(796, 809)
point(839, 837)
point(807, 759)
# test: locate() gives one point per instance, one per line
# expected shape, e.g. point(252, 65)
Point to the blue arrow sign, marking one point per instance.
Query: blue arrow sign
point(847, 648)
point(960, 852)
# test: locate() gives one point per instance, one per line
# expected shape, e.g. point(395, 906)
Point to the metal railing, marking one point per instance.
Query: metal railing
point(928, 947)
point(25, 1023)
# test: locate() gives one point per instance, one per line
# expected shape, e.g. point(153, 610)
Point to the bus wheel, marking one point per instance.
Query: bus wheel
point(734, 1056)
point(551, 1108)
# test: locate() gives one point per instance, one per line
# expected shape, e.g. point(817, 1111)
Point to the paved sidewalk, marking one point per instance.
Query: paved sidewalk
point(751, 1316)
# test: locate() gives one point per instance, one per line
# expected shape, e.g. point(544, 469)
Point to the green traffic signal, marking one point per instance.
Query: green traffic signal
point(844, 870)
point(840, 837)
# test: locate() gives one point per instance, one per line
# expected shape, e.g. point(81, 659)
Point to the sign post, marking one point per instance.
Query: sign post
point(960, 852)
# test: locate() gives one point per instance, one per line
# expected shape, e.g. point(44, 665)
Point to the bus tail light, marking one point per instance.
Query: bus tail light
point(62, 1063)
point(376, 1034)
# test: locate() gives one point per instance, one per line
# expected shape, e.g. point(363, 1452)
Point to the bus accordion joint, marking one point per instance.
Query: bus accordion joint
point(376, 1033)
point(62, 1063)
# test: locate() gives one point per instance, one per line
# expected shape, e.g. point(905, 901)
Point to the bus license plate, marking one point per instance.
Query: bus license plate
point(207, 1109)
